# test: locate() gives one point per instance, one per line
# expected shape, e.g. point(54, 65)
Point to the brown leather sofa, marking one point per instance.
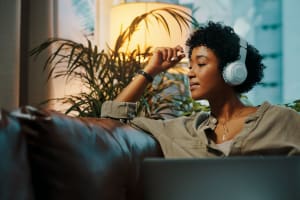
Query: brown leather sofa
point(48, 155)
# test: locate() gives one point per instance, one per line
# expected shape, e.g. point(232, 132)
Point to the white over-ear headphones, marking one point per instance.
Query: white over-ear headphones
point(235, 73)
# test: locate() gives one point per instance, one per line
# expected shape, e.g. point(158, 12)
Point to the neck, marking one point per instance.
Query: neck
point(225, 108)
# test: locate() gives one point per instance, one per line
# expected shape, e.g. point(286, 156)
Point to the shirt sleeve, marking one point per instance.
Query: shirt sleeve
point(119, 110)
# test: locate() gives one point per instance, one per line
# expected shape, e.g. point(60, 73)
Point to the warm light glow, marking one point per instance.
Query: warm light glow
point(123, 14)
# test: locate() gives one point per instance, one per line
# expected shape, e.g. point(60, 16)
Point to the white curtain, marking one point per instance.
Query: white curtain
point(21, 77)
point(9, 53)
point(41, 27)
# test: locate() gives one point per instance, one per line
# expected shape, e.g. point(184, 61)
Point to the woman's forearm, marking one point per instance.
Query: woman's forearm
point(134, 90)
point(163, 58)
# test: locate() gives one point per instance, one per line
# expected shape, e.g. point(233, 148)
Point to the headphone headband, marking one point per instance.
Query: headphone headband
point(243, 50)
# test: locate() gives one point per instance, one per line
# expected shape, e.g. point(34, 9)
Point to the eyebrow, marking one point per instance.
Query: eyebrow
point(200, 56)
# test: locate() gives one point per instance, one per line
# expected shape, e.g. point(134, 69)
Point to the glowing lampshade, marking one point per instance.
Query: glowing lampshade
point(152, 34)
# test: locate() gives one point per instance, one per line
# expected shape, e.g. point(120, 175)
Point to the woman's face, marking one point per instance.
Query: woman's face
point(205, 79)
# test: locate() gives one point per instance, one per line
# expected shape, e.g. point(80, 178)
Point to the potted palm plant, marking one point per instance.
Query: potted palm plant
point(105, 73)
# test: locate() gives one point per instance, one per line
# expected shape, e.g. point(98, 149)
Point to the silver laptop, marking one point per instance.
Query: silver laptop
point(234, 178)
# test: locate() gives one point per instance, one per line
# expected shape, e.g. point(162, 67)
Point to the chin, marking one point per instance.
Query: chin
point(200, 93)
point(196, 96)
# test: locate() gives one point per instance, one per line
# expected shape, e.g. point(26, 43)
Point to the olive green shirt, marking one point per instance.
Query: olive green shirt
point(271, 130)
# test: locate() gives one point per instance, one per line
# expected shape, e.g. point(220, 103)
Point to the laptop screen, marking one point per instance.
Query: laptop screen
point(232, 178)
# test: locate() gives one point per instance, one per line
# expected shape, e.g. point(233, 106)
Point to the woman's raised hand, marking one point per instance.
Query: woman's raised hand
point(164, 58)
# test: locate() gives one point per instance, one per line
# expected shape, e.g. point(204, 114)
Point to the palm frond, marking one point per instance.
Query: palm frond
point(182, 18)
point(104, 74)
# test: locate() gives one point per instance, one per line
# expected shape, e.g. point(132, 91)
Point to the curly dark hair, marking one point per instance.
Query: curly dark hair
point(225, 43)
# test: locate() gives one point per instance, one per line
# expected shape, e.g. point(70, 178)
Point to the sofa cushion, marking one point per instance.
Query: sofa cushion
point(15, 182)
point(84, 158)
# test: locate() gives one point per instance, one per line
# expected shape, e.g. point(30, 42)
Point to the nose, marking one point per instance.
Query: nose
point(191, 72)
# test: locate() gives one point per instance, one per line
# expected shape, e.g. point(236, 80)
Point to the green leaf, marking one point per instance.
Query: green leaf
point(105, 73)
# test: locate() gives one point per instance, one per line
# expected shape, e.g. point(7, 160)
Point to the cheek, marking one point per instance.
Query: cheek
point(208, 77)
point(209, 80)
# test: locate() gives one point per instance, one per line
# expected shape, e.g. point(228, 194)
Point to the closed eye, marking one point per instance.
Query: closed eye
point(201, 64)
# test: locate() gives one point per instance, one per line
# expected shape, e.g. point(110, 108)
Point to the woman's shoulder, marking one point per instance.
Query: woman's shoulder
point(280, 108)
point(276, 111)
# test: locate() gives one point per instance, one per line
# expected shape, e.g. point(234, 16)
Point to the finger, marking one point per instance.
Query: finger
point(159, 51)
point(174, 59)
point(173, 54)
point(179, 48)
point(170, 54)
point(178, 54)
point(163, 53)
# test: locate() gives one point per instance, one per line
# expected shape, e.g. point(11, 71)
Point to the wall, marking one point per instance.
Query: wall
point(268, 40)
point(291, 50)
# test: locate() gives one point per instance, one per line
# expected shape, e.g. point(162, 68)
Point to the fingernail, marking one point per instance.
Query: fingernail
point(174, 59)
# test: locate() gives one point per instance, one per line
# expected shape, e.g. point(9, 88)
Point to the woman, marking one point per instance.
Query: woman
point(231, 128)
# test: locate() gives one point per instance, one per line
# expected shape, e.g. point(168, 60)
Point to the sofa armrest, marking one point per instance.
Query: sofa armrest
point(84, 158)
point(15, 178)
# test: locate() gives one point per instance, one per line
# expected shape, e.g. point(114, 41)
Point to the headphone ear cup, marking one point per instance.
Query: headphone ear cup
point(235, 73)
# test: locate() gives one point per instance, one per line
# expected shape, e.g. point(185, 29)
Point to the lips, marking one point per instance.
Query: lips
point(194, 85)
